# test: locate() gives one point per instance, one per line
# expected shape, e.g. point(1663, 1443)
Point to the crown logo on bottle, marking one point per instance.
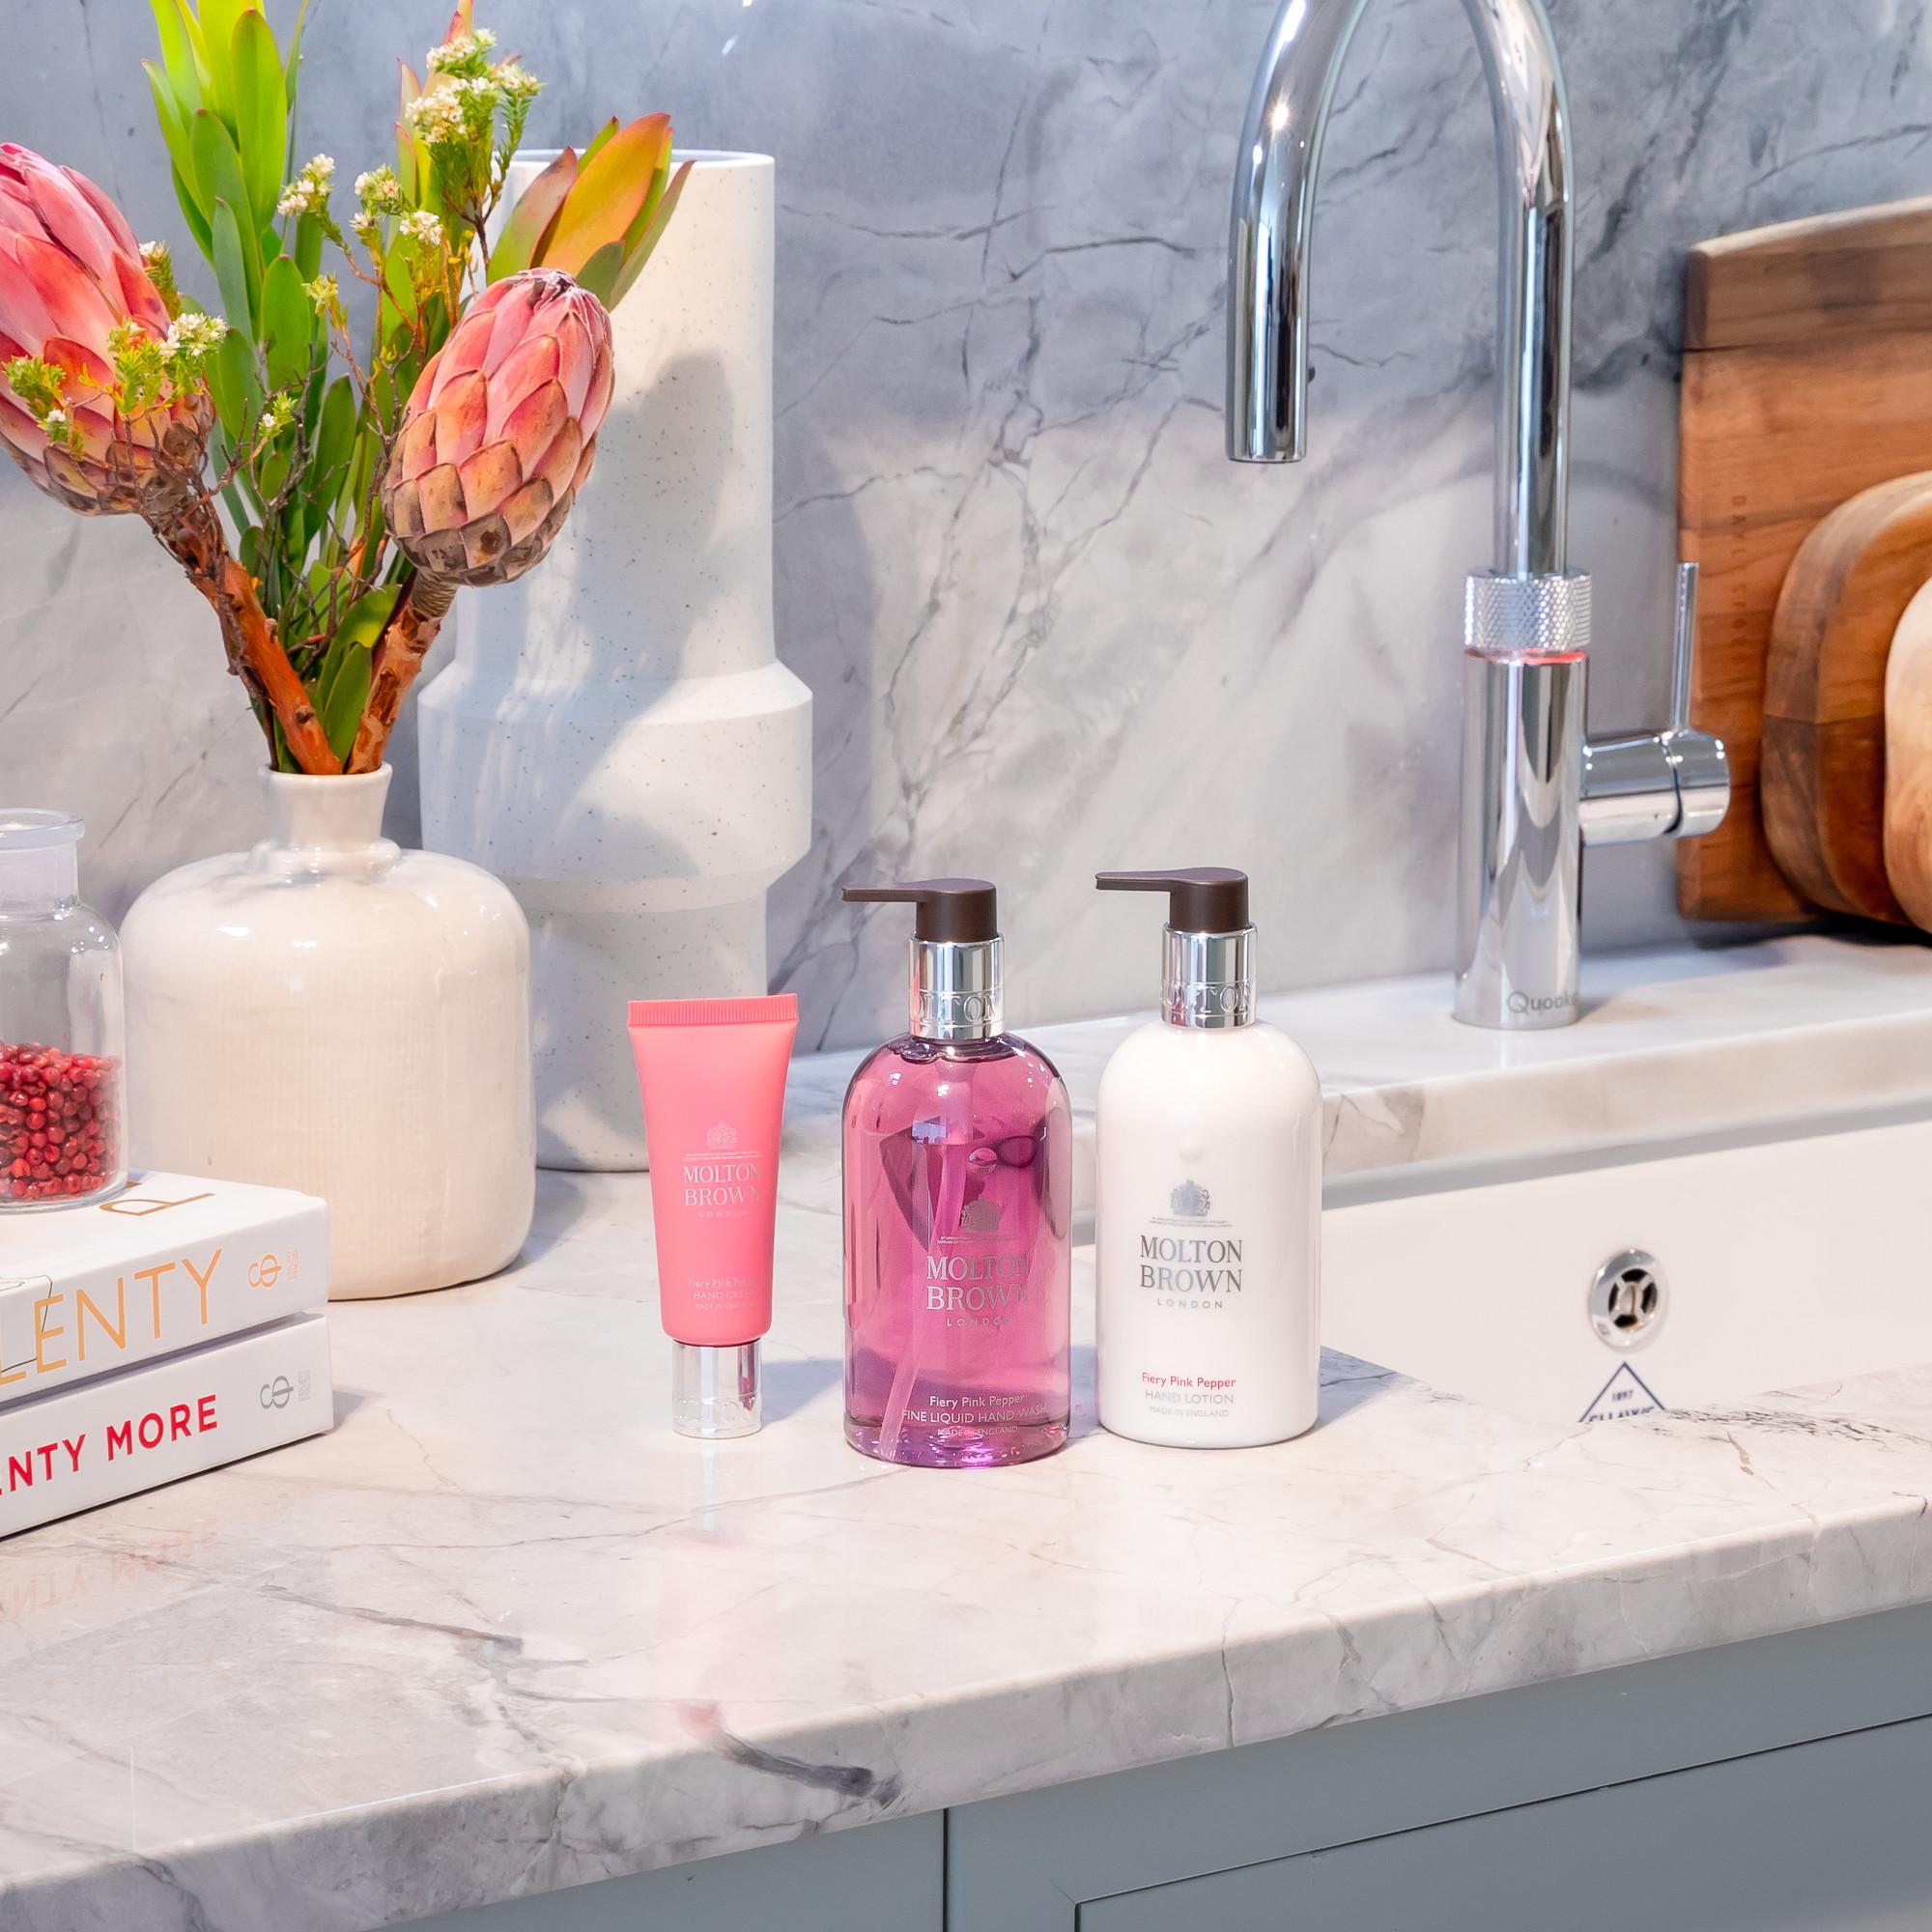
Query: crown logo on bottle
point(1190, 1200)
point(981, 1216)
point(722, 1135)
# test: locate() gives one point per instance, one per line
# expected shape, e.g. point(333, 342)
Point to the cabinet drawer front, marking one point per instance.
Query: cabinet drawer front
point(1821, 1837)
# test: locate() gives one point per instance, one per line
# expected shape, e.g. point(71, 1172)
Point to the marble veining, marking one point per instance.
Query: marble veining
point(503, 1633)
point(1047, 625)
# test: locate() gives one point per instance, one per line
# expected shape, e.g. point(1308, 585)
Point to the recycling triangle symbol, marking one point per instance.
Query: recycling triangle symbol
point(1626, 1394)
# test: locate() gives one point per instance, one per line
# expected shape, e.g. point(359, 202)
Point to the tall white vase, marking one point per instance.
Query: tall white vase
point(330, 1013)
point(616, 738)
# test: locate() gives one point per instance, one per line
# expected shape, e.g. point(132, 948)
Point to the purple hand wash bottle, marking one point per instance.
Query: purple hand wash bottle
point(958, 1210)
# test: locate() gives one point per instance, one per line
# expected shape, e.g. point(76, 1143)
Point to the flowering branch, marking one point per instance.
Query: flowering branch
point(193, 537)
point(327, 504)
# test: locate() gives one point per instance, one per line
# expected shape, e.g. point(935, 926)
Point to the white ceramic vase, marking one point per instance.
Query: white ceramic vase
point(330, 1013)
point(615, 737)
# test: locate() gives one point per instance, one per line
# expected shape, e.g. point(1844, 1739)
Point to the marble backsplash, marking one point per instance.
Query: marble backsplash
point(1049, 627)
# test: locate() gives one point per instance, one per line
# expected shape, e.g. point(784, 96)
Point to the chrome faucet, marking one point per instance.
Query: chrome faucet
point(1534, 789)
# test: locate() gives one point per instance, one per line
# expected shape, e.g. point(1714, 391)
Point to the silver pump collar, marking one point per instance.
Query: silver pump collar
point(1208, 979)
point(956, 992)
point(716, 1393)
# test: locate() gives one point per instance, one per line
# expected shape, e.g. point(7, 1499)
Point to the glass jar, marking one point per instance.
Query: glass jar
point(62, 1140)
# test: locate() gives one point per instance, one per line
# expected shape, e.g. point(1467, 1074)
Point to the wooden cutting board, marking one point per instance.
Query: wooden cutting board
point(1807, 378)
point(1908, 760)
point(1823, 782)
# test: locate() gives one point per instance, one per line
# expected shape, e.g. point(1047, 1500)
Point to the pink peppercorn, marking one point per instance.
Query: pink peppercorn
point(60, 1124)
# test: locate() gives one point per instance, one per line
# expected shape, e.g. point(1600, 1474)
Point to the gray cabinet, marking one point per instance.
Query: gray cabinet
point(1778, 1784)
point(1830, 1835)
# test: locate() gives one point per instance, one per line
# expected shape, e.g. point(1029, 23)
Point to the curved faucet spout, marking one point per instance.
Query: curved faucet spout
point(1268, 257)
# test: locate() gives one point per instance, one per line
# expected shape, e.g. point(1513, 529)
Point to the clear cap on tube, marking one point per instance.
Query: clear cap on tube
point(716, 1393)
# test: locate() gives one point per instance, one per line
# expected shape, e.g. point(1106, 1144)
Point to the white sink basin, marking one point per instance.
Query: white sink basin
point(1764, 1262)
point(1756, 1119)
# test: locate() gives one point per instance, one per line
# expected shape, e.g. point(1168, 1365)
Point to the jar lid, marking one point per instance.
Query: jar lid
point(38, 859)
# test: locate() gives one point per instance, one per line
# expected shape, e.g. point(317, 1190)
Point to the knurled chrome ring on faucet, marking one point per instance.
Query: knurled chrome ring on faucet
point(1535, 616)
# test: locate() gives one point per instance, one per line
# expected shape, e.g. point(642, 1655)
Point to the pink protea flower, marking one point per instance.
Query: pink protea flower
point(77, 301)
point(501, 430)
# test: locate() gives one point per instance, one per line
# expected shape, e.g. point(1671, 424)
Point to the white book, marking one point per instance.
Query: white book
point(141, 1427)
point(167, 1263)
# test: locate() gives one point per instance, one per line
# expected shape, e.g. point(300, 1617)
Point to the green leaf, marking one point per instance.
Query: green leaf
point(343, 688)
point(238, 503)
point(600, 273)
point(288, 324)
point(533, 217)
point(387, 384)
point(409, 87)
point(292, 73)
point(428, 192)
point(174, 129)
point(202, 95)
point(239, 293)
point(362, 469)
point(641, 221)
point(609, 194)
point(197, 221)
point(341, 709)
point(639, 255)
point(396, 277)
point(261, 114)
point(334, 436)
point(308, 246)
point(602, 136)
point(218, 170)
point(311, 400)
point(232, 383)
point(218, 20)
point(177, 56)
point(271, 470)
point(365, 620)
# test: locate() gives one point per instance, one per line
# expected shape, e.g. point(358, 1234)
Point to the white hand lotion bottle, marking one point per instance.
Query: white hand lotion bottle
point(1209, 1218)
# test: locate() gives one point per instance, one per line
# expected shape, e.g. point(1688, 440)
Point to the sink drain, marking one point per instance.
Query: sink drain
point(1628, 1300)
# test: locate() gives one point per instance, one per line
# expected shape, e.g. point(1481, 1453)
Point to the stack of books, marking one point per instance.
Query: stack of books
point(171, 1329)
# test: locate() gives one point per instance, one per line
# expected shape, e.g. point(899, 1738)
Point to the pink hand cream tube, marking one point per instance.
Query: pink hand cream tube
point(713, 1077)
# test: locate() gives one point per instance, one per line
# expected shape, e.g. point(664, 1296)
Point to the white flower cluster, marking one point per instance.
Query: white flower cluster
point(513, 83)
point(435, 117)
point(192, 334)
point(379, 191)
point(456, 54)
point(308, 192)
point(465, 93)
point(425, 227)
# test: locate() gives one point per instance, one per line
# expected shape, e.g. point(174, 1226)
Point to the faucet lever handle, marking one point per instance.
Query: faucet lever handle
point(1673, 784)
point(1686, 648)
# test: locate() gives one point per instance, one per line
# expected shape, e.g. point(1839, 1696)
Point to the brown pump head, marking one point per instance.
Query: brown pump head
point(1199, 898)
point(949, 910)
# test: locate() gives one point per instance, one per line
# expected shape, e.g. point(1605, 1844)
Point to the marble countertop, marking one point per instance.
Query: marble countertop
point(503, 1633)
